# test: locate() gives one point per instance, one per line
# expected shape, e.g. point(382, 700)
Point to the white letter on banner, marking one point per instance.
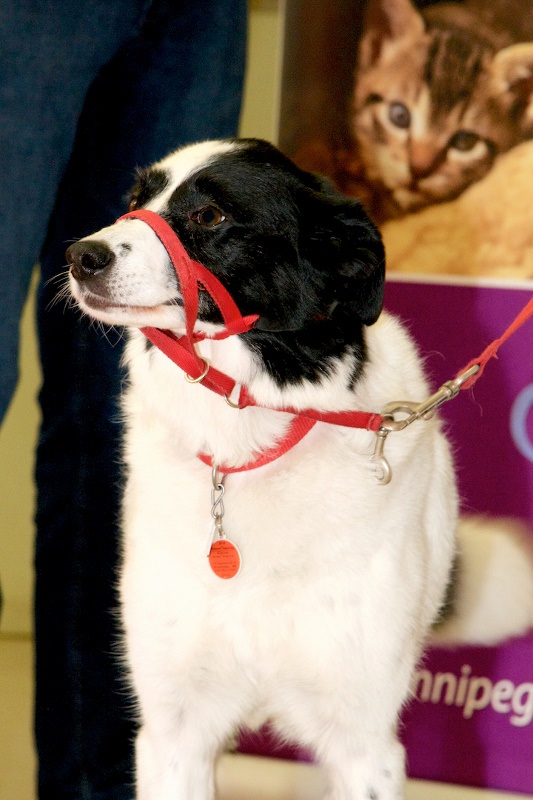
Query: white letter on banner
point(519, 413)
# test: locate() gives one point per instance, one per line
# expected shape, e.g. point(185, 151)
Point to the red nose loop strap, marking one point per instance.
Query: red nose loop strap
point(190, 273)
point(183, 264)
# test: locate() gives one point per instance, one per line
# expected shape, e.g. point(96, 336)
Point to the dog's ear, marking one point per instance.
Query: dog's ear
point(340, 237)
point(332, 268)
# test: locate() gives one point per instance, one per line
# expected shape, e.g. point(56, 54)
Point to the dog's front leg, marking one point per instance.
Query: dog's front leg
point(186, 719)
point(175, 767)
point(373, 772)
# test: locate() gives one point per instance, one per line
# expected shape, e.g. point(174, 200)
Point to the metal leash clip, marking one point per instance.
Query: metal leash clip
point(217, 507)
point(217, 502)
point(413, 412)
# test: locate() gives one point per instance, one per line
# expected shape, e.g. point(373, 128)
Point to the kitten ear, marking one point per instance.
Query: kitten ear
point(386, 22)
point(512, 75)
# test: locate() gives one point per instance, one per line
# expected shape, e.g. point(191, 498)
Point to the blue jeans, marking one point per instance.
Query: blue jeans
point(89, 89)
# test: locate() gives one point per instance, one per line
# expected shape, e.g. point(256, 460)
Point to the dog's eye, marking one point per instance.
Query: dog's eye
point(208, 217)
point(134, 203)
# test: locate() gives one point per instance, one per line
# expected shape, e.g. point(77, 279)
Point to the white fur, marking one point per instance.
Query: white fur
point(341, 576)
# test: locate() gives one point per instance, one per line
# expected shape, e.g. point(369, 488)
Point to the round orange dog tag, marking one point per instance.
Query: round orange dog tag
point(225, 559)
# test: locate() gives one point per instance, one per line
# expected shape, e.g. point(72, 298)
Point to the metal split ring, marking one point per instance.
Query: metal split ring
point(200, 378)
point(230, 402)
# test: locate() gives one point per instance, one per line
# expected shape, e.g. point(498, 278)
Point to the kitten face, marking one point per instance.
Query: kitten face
point(429, 118)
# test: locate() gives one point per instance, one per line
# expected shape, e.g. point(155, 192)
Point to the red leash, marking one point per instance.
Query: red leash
point(492, 349)
point(181, 350)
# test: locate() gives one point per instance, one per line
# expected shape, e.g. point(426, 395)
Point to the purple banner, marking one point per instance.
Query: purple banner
point(492, 426)
point(472, 721)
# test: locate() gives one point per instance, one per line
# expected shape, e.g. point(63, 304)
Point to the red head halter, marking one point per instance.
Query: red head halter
point(182, 352)
point(191, 273)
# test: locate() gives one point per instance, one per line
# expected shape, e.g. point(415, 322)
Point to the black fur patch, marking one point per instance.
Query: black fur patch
point(289, 248)
point(150, 183)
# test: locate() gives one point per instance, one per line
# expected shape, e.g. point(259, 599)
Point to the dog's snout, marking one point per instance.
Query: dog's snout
point(89, 258)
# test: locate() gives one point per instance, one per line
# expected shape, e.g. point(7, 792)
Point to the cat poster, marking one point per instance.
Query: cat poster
point(425, 112)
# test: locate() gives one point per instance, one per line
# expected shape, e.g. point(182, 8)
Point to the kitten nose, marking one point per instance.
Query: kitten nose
point(88, 259)
point(424, 158)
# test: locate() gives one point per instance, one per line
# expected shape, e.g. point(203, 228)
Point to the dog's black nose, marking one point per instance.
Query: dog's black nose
point(88, 258)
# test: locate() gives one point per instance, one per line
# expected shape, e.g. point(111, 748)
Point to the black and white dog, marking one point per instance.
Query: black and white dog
point(341, 576)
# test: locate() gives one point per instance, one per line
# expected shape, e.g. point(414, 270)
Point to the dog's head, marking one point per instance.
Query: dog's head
point(286, 245)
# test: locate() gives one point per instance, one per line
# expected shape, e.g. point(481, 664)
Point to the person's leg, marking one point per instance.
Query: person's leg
point(50, 52)
point(178, 81)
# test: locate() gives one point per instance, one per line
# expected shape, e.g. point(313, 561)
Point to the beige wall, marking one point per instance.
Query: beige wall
point(19, 431)
point(261, 96)
point(17, 444)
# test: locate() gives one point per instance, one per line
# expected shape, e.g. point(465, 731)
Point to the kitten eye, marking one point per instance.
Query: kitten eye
point(208, 217)
point(464, 141)
point(399, 115)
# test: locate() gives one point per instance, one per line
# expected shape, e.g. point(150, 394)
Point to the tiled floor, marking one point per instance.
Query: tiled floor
point(238, 777)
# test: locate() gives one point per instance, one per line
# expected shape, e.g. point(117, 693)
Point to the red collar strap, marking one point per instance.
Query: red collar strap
point(297, 429)
point(181, 350)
